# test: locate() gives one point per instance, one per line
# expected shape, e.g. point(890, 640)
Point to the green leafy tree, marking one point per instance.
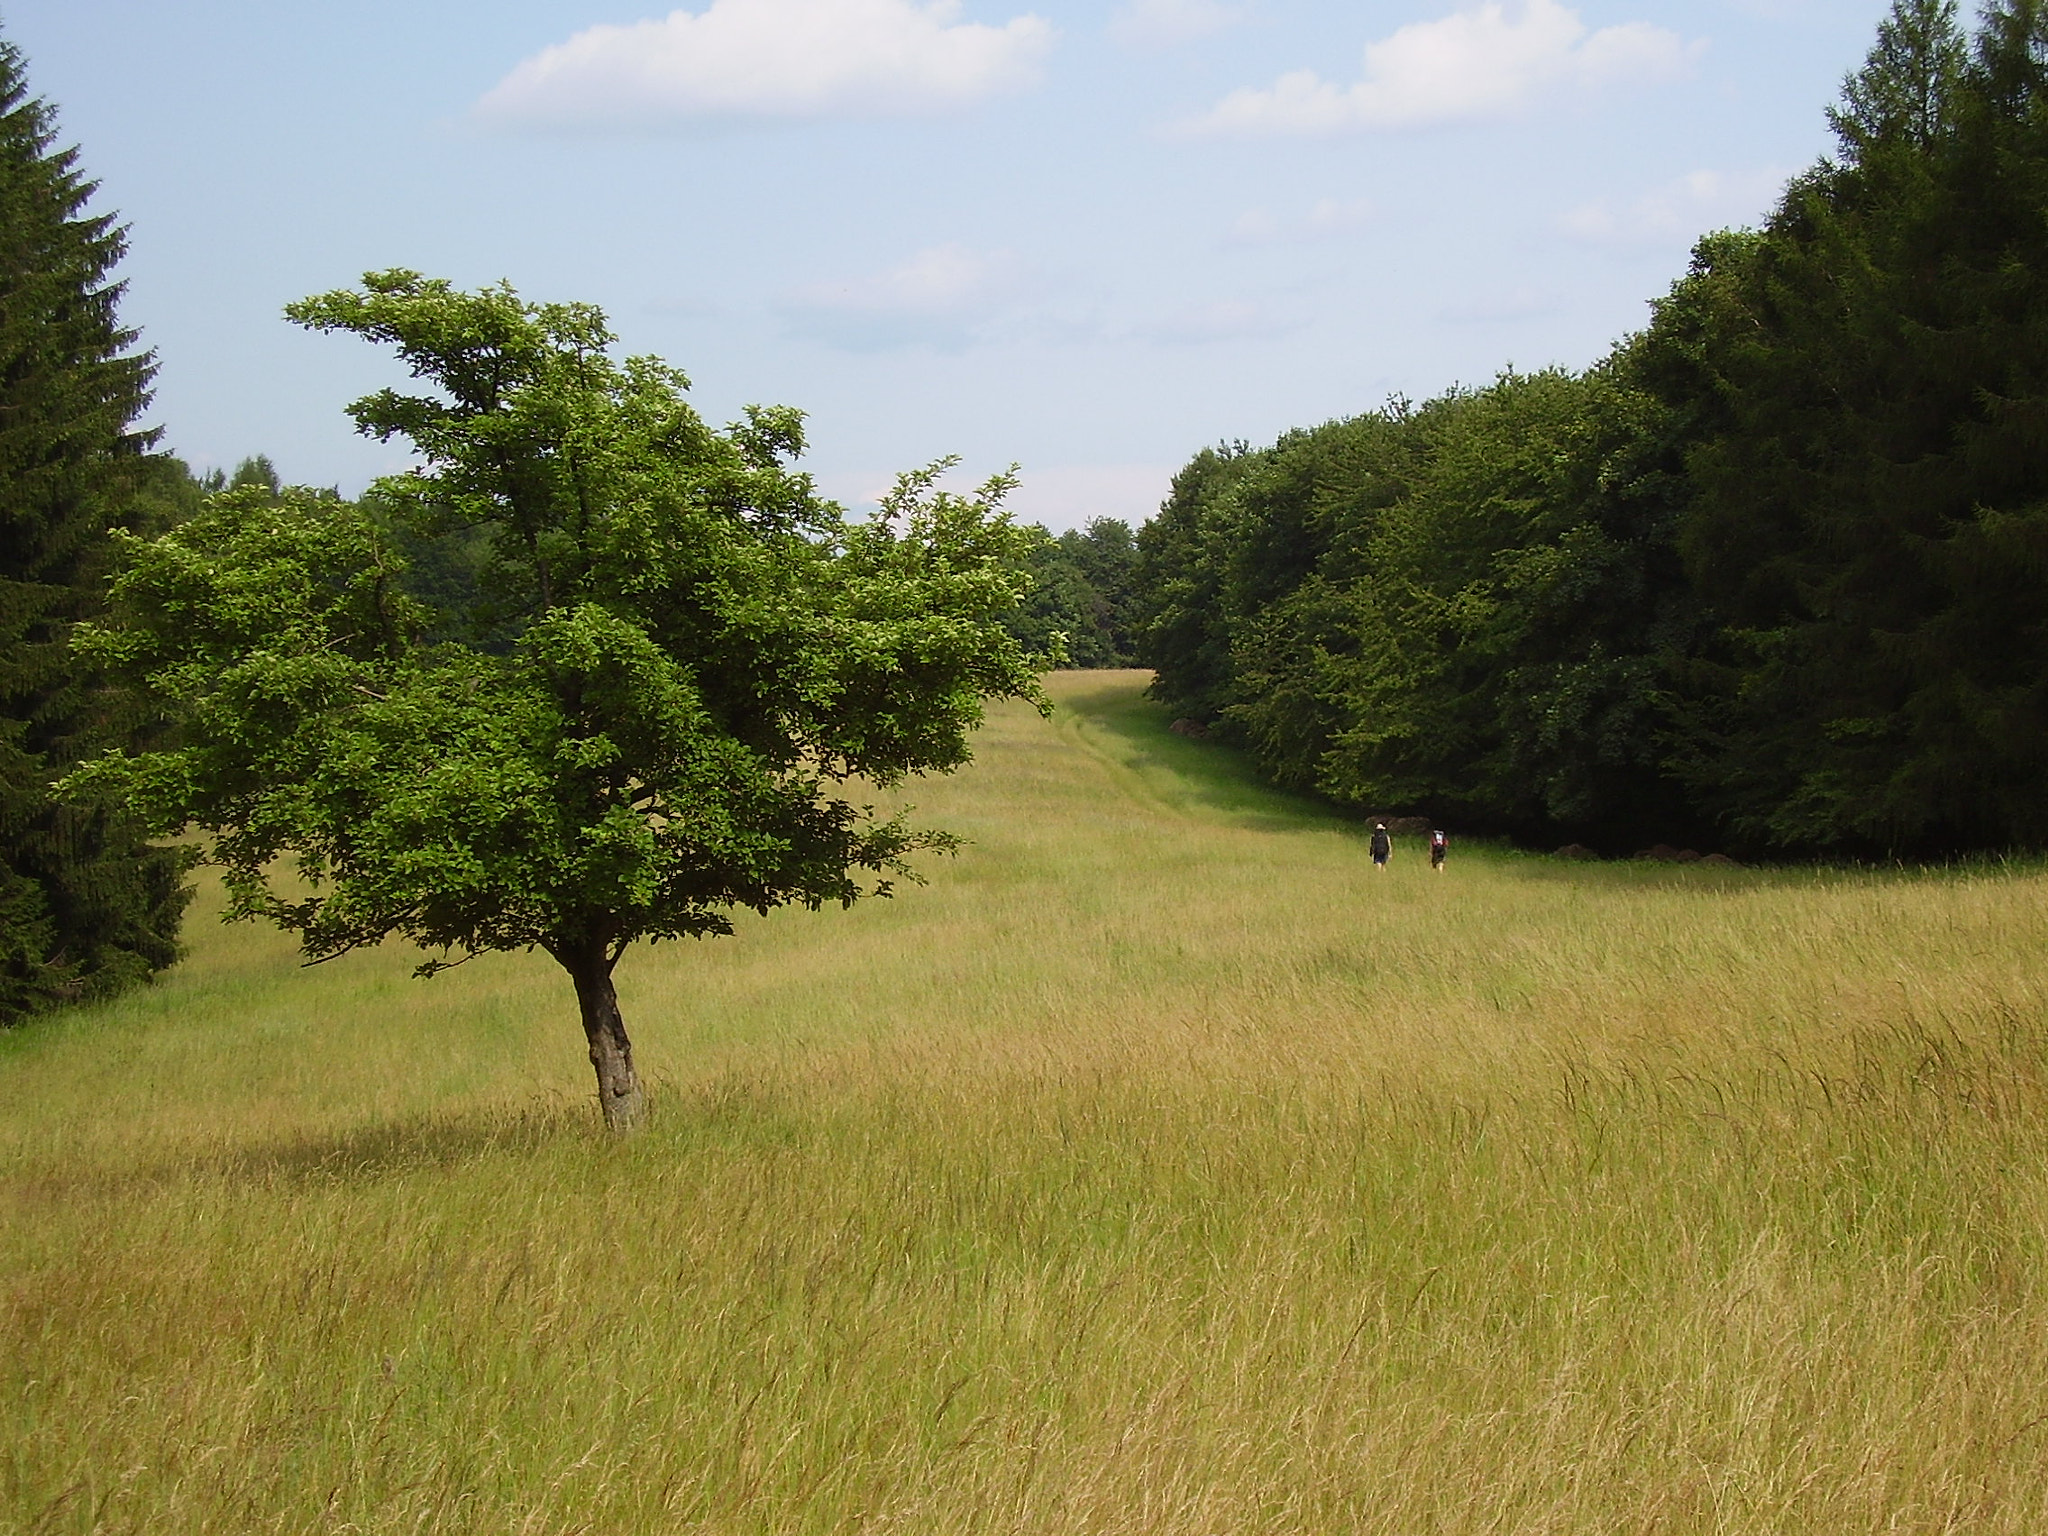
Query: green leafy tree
point(671, 667)
point(1104, 553)
point(1181, 618)
point(85, 905)
point(1462, 607)
point(1078, 605)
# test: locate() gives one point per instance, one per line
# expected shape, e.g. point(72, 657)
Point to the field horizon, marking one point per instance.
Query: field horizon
point(1155, 1166)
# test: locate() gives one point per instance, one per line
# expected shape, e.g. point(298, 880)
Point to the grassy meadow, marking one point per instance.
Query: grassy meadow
point(1156, 1167)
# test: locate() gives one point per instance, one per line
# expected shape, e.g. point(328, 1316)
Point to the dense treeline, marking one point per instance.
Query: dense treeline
point(86, 905)
point(1769, 573)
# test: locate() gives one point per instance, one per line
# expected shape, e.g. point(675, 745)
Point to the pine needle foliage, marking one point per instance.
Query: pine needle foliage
point(85, 906)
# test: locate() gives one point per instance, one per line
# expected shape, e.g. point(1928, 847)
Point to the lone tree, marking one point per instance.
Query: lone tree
point(673, 664)
point(86, 906)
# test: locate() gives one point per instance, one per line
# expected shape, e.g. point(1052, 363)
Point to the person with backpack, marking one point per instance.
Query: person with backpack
point(1382, 845)
point(1439, 848)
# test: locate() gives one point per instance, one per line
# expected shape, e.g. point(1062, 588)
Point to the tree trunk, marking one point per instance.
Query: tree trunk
point(611, 1053)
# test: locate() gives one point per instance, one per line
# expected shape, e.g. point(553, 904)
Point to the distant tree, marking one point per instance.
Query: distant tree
point(255, 472)
point(85, 905)
point(1461, 607)
point(1105, 552)
point(645, 711)
point(167, 492)
point(1078, 603)
point(1182, 616)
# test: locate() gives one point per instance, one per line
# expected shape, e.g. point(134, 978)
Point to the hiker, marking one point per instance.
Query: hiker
point(1382, 845)
point(1439, 845)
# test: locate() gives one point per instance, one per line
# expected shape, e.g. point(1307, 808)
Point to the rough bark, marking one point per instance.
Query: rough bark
point(611, 1053)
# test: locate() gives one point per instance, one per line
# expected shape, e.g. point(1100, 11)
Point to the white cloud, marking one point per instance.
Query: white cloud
point(944, 296)
point(1325, 218)
point(1680, 211)
point(771, 58)
point(1485, 62)
point(948, 298)
point(1163, 23)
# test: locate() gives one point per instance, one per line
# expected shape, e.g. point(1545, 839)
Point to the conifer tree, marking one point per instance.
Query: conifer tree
point(1870, 517)
point(1905, 93)
point(85, 905)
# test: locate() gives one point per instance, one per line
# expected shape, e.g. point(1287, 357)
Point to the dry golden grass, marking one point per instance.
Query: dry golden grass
point(1156, 1168)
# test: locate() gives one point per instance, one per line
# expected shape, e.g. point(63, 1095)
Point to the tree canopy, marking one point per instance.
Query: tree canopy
point(1077, 607)
point(668, 676)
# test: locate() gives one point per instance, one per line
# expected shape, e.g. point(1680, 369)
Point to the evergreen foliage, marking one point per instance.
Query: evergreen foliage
point(1869, 518)
point(85, 905)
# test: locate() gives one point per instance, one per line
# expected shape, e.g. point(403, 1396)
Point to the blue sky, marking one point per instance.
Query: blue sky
point(1089, 238)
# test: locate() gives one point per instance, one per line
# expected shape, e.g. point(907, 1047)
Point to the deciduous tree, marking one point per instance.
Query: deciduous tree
point(659, 700)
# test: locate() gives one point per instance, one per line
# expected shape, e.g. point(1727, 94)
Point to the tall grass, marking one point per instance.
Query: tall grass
point(1158, 1167)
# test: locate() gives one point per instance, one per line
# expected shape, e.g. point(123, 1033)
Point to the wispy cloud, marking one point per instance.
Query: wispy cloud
point(1217, 320)
point(1501, 306)
point(1489, 61)
point(944, 297)
point(768, 59)
point(1678, 212)
point(1324, 219)
point(1165, 23)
